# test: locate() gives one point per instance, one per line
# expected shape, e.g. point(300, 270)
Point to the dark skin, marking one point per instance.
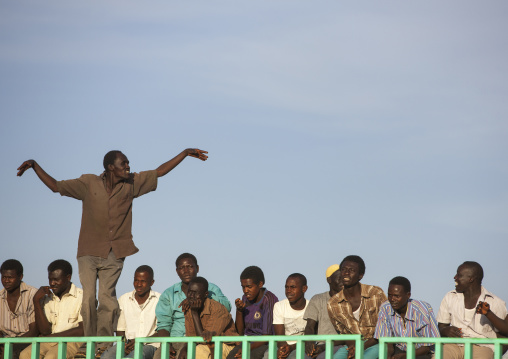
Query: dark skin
point(468, 283)
point(118, 171)
point(254, 292)
point(351, 276)
point(196, 295)
point(311, 348)
point(399, 298)
point(143, 282)
point(11, 282)
point(187, 270)
point(295, 293)
point(59, 284)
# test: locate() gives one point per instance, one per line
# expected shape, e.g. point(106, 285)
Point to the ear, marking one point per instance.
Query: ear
point(21, 276)
point(68, 276)
point(361, 276)
point(197, 269)
point(206, 294)
point(304, 288)
point(111, 167)
point(152, 282)
point(329, 279)
point(261, 284)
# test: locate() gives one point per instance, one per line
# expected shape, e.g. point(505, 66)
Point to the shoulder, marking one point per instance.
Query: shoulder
point(420, 306)
point(27, 288)
point(76, 291)
point(171, 290)
point(320, 297)
point(372, 291)
point(213, 287)
point(281, 305)
point(125, 297)
point(385, 307)
point(270, 297)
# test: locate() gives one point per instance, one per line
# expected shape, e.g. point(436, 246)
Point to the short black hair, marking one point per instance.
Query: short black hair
point(12, 264)
point(145, 268)
point(253, 272)
point(476, 268)
point(303, 279)
point(110, 158)
point(186, 256)
point(200, 280)
point(356, 259)
point(61, 264)
point(403, 281)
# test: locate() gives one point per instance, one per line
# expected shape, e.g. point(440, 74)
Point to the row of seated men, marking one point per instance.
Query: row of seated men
point(196, 307)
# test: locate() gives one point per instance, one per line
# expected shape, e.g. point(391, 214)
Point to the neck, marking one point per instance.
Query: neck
point(473, 291)
point(260, 295)
point(332, 292)
point(14, 293)
point(64, 292)
point(185, 287)
point(111, 180)
point(141, 298)
point(299, 304)
point(402, 311)
point(353, 291)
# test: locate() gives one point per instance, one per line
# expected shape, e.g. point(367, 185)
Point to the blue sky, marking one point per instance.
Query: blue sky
point(333, 128)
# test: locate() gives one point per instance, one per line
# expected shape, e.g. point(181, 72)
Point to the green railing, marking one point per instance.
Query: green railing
point(245, 341)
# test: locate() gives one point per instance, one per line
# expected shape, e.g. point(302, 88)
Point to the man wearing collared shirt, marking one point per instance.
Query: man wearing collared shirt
point(471, 311)
point(137, 315)
point(206, 318)
point(173, 301)
point(355, 309)
point(17, 317)
point(402, 316)
point(105, 238)
point(57, 311)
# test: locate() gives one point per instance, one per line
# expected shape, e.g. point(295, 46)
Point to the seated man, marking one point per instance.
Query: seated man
point(471, 311)
point(17, 317)
point(206, 318)
point(316, 315)
point(405, 317)
point(355, 309)
point(57, 311)
point(137, 315)
point(288, 314)
point(173, 301)
point(254, 312)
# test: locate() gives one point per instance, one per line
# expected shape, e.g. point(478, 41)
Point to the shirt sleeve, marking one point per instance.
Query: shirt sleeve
point(144, 182)
point(312, 311)
point(444, 315)
point(75, 188)
point(269, 303)
point(278, 313)
point(383, 328)
point(431, 330)
point(164, 312)
point(215, 293)
point(30, 308)
point(122, 324)
point(221, 319)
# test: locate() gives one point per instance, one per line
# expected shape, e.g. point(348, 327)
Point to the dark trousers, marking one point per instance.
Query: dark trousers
point(254, 353)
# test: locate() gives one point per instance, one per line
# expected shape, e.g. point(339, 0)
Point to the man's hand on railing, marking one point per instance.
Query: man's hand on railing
point(283, 351)
point(207, 335)
point(172, 352)
point(238, 354)
point(313, 350)
point(129, 346)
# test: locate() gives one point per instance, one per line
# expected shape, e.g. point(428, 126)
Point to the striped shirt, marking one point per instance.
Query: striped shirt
point(341, 313)
point(419, 322)
point(16, 324)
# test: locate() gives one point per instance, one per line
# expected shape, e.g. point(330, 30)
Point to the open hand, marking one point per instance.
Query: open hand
point(196, 153)
point(24, 166)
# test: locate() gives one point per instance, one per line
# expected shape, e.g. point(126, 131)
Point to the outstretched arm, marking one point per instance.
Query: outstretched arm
point(172, 163)
point(49, 181)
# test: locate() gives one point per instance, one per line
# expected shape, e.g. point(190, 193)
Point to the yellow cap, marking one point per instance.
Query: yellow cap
point(332, 269)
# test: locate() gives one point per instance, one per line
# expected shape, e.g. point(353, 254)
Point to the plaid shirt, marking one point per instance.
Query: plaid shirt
point(341, 313)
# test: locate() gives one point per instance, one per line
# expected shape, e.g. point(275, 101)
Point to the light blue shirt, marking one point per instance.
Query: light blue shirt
point(171, 318)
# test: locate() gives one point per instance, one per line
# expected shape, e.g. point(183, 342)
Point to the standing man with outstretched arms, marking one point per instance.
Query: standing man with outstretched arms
point(105, 238)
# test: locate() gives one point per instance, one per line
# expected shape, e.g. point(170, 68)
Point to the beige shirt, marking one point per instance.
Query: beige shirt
point(64, 314)
point(453, 311)
point(16, 324)
point(135, 320)
point(106, 221)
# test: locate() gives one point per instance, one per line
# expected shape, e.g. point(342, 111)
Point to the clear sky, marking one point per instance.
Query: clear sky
point(333, 128)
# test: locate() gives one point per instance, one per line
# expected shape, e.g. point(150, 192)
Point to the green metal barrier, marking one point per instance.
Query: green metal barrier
point(468, 345)
point(246, 341)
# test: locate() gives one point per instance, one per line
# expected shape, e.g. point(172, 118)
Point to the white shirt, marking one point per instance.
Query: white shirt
point(138, 321)
point(293, 321)
point(64, 314)
point(453, 311)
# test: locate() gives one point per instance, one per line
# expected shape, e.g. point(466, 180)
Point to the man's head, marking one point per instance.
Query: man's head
point(399, 292)
point(12, 274)
point(143, 280)
point(59, 276)
point(197, 292)
point(186, 267)
point(296, 286)
point(468, 274)
point(334, 278)
point(116, 162)
point(352, 269)
point(252, 280)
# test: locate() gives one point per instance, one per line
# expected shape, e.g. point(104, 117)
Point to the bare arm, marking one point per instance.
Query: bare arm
point(73, 332)
point(446, 330)
point(32, 331)
point(49, 181)
point(239, 323)
point(166, 167)
point(43, 325)
point(499, 323)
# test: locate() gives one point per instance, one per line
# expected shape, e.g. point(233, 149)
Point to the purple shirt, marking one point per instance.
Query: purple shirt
point(258, 317)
